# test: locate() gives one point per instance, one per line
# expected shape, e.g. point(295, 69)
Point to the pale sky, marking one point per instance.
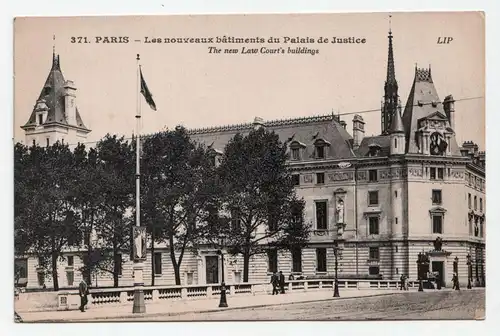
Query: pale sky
point(197, 89)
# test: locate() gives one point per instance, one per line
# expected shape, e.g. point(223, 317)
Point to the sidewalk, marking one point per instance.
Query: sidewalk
point(169, 308)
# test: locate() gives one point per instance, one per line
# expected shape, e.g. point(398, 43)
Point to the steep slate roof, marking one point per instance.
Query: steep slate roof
point(423, 101)
point(303, 130)
point(53, 95)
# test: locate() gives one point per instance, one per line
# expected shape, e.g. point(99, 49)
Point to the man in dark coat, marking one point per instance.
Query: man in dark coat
point(83, 291)
point(282, 282)
point(275, 282)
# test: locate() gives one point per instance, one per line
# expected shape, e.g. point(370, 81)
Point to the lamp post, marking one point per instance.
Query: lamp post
point(469, 271)
point(420, 262)
point(455, 270)
point(336, 250)
point(223, 300)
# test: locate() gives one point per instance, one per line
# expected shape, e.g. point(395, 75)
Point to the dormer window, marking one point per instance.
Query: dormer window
point(295, 148)
point(40, 119)
point(320, 151)
point(46, 90)
point(374, 150)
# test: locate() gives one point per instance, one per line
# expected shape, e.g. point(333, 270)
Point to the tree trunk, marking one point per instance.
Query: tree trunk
point(116, 268)
point(177, 266)
point(246, 265)
point(153, 257)
point(55, 279)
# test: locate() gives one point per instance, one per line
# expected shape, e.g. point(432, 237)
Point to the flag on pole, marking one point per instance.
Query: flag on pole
point(147, 94)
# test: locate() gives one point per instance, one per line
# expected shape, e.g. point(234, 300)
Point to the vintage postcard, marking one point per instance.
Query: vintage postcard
point(250, 167)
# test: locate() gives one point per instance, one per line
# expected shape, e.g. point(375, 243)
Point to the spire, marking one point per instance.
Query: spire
point(391, 74)
point(390, 104)
point(55, 58)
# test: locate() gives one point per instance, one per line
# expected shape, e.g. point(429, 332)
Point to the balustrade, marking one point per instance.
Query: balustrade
point(119, 296)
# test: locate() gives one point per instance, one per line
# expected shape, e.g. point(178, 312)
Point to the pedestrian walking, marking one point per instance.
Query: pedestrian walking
point(456, 283)
point(275, 282)
point(402, 282)
point(282, 282)
point(83, 291)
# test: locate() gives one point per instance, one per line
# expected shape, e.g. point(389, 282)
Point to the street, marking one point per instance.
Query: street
point(410, 305)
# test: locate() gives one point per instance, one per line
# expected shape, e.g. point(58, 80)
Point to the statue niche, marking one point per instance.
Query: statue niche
point(340, 211)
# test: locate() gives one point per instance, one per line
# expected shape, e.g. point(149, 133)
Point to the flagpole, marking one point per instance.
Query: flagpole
point(139, 305)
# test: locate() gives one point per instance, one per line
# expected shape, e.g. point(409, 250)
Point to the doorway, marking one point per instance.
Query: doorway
point(438, 266)
point(212, 268)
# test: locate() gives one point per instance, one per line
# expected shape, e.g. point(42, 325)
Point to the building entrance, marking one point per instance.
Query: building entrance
point(438, 266)
point(212, 269)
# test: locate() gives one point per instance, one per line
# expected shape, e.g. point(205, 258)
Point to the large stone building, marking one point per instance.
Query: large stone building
point(384, 198)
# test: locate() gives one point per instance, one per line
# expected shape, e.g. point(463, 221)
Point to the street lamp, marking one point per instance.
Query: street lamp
point(336, 250)
point(469, 271)
point(455, 270)
point(223, 300)
point(420, 262)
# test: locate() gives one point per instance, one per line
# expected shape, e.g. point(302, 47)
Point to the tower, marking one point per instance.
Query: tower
point(391, 103)
point(55, 116)
point(397, 135)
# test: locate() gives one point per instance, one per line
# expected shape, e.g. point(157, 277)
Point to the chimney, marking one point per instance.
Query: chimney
point(449, 109)
point(358, 130)
point(69, 102)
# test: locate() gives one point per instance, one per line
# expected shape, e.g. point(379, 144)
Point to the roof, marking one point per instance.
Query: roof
point(397, 124)
point(304, 131)
point(423, 101)
point(52, 95)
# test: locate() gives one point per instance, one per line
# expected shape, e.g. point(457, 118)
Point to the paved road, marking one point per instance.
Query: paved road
point(410, 305)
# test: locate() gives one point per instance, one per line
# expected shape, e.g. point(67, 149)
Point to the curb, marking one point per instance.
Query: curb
point(213, 310)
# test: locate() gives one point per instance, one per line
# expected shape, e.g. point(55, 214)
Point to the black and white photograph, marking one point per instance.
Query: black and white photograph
point(250, 167)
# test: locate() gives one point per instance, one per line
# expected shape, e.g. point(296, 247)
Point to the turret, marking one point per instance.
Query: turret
point(397, 135)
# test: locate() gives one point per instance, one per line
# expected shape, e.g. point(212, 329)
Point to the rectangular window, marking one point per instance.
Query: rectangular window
point(321, 216)
point(48, 142)
point(437, 224)
point(433, 173)
point(297, 260)
point(373, 270)
point(158, 269)
point(320, 152)
point(396, 194)
point(481, 204)
point(295, 154)
point(321, 259)
point(397, 270)
point(373, 198)
point(118, 262)
point(396, 219)
point(436, 197)
point(470, 201)
point(189, 278)
point(372, 175)
point(374, 253)
point(40, 119)
point(70, 261)
point(70, 277)
point(440, 173)
point(272, 261)
point(396, 248)
point(235, 221)
point(296, 179)
point(475, 202)
point(373, 226)
point(320, 178)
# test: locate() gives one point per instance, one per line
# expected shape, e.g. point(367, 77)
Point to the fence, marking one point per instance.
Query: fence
point(69, 300)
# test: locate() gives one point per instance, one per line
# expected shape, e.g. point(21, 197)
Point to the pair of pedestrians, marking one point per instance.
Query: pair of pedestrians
point(278, 282)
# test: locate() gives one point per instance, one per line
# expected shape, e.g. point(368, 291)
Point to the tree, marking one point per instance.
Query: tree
point(180, 188)
point(260, 197)
point(115, 176)
point(45, 220)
